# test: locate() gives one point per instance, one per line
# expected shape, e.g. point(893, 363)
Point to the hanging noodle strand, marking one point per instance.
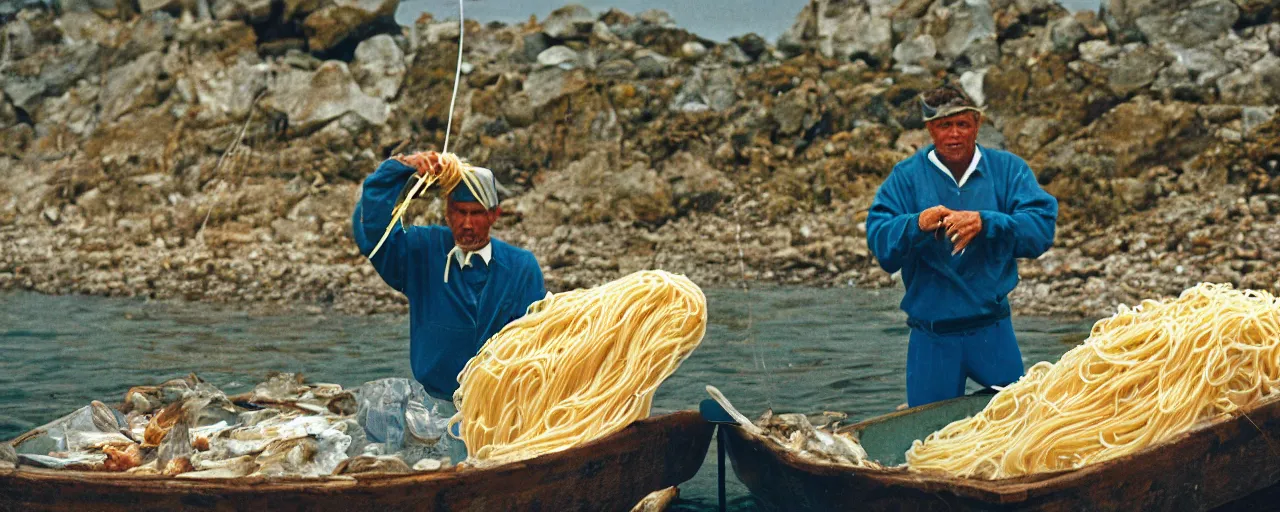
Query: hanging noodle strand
point(452, 172)
point(579, 366)
point(1144, 375)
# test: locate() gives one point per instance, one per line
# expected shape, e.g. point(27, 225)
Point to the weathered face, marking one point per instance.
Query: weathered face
point(955, 137)
point(470, 223)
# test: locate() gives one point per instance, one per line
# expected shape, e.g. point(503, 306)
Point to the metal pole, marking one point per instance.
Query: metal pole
point(720, 465)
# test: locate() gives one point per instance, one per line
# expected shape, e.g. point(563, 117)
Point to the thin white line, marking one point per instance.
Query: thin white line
point(457, 75)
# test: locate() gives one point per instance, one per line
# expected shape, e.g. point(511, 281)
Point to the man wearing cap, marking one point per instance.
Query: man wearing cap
point(953, 218)
point(463, 285)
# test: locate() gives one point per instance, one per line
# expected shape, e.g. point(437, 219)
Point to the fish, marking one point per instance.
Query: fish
point(796, 433)
point(8, 456)
point(146, 399)
point(191, 428)
point(291, 389)
point(176, 445)
point(251, 418)
point(238, 471)
point(85, 441)
point(203, 461)
point(331, 448)
point(227, 468)
point(332, 397)
point(199, 409)
point(160, 424)
point(280, 387)
point(147, 468)
point(178, 466)
point(429, 464)
point(71, 461)
point(200, 435)
point(355, 431)
point(122, 459)
point(287, 456)
point(136, 425)
point(103, 418)
point(210, 407)
point(364, 464)
point(343, 404)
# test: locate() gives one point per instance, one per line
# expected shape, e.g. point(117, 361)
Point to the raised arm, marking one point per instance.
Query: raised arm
point(1032, 217)
point(373, 213)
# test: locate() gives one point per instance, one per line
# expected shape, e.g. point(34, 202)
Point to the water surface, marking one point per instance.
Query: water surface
point(793, 349)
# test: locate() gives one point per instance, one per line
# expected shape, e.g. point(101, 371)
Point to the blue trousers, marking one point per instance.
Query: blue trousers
point(937, 365)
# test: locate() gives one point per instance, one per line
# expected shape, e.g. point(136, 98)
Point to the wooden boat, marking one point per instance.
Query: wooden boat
point(1210, 466)
point(612, 473)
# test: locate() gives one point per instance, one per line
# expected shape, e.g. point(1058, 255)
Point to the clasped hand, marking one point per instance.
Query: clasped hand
point(960, 226)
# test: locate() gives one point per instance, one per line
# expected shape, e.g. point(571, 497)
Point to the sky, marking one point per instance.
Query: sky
point(717, 20)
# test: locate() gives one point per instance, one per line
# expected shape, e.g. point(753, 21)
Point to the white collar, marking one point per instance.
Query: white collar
point(464, 257)
point(973, 164)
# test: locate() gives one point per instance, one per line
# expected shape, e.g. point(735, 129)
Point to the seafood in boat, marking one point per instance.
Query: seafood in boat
point(798, 434)
point(289, 389)
point(8, 457)
point(285, 427)
point(372, 464)
point(122, 460)
point(226, 468)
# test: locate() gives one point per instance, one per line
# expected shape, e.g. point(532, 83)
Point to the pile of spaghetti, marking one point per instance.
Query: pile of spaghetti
point(1144, 375)
point(579, 366)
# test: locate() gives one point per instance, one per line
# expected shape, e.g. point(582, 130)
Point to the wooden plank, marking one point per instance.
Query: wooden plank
point(612, 473)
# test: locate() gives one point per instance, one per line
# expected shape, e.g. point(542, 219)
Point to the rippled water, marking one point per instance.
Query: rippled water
point(795, 349)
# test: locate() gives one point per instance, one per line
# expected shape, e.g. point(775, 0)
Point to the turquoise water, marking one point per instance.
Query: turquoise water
point(793, 349)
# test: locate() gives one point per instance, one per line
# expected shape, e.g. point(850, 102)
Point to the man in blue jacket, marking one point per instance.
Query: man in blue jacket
point(954, 218)
point(463, 285)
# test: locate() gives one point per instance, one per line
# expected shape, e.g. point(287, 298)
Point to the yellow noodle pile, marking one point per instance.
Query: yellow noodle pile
point(1144, 375)
point(453, 171)
point(579, 366)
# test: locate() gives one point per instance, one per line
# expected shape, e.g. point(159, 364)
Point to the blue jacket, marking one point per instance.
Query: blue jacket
point(448, 322)
point(1018, 221)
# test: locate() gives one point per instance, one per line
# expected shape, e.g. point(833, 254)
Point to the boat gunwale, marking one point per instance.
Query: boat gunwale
point(1001, 491)
point(371, 481)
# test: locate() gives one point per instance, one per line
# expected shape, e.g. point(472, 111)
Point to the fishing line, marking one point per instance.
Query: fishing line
point(454, 170)
point(457, 77)
point(757, 352)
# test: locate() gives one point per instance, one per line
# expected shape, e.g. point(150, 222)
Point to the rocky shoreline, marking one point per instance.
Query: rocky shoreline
point(213, 151)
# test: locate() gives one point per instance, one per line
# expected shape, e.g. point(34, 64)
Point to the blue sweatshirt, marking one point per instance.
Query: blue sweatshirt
point(1018, 221)
point(448, 322)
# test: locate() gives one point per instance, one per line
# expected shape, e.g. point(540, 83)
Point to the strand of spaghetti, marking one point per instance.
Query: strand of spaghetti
point(452, 172)
point(399, 212)
point(1144, 375)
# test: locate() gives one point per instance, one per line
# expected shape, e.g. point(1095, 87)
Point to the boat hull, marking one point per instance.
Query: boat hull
point(1208, 467)
point(613, 473)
